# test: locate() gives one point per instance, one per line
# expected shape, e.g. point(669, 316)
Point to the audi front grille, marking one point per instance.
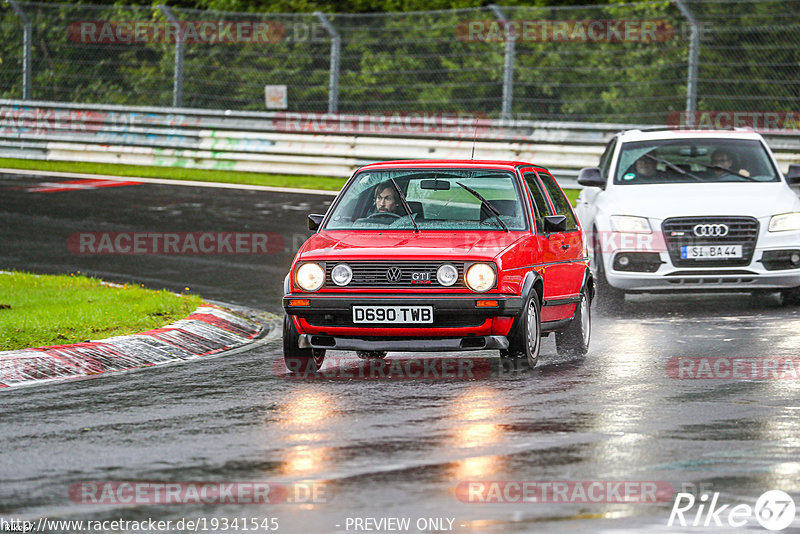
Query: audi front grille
point(714, 231)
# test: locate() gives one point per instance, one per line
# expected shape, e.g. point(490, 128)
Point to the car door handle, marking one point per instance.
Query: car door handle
point(564, 247)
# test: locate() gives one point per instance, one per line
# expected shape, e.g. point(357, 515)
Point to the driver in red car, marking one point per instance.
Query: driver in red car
point(386, 200)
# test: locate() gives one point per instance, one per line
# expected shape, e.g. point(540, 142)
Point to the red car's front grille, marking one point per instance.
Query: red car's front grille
point(395, 274)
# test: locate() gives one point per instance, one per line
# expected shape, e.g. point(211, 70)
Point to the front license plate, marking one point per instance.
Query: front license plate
point(393, 314)
point(722, 252)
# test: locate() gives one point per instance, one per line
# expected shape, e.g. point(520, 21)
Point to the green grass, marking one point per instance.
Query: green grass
point(40, 310)
point(178, 173)
point(572, 195)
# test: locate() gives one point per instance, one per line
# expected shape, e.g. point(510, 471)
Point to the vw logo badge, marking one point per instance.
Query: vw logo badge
point(711, 230)
point(394, 274)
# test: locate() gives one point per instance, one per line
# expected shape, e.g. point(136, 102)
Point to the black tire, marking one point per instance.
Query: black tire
point(297, 360)
point(371, 354)
point(574, 339)
point(527, 339)
point(791, 297)
point(608, 297)
point(767, 299)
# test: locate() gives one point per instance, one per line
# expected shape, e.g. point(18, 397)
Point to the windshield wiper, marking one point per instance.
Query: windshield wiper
point(729, 171)
point(485, 202)
point(674, 167)
point(405, 205)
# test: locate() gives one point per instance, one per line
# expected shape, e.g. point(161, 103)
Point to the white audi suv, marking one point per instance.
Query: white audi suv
point(671, 210)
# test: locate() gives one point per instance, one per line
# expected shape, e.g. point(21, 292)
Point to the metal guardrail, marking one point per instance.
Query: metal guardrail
point(298, 143)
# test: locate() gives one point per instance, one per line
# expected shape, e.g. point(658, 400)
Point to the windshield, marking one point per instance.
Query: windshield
point(438, 200)
point(694, 160)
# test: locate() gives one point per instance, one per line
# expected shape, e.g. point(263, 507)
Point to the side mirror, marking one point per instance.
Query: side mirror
point(555, 223)
point(590, 177)
point(793, 176)
point(314, 221)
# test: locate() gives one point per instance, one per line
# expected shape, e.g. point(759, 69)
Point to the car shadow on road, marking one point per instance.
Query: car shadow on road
point(683, 305)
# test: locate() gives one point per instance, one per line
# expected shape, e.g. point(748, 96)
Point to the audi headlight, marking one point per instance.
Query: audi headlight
point(310, 277)
point(341, 274)
point(480, 277)
point(447, 275)
point(630, 225)
point(785, 222)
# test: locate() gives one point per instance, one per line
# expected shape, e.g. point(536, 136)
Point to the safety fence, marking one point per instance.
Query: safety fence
point(299, 143)
point(617, 62)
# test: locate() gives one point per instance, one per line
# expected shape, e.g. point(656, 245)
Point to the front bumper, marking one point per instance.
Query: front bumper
point(668, 277)
point(454, 315)
point(418, 345)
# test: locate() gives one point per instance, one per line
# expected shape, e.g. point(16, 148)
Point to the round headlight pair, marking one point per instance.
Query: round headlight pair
point(480, 277)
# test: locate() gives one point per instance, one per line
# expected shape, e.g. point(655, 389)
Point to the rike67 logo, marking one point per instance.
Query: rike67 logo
point(774, 510)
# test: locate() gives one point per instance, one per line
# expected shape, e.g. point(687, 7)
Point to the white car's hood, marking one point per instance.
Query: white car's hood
point(677, 200)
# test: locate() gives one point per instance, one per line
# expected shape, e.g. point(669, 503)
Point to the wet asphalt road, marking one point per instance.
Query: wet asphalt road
point(384, 448)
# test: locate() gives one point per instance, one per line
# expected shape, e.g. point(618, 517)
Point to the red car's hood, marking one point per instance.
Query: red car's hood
point(407, 245)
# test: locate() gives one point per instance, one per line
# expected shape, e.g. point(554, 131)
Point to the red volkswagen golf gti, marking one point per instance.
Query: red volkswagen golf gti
point(440, 256)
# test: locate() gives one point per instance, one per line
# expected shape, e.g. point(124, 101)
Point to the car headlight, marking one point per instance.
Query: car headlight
point(480, 277)
point(785, 222)
point(630, 225)
point(310, 277)
point(447, 275)
point(341, 274)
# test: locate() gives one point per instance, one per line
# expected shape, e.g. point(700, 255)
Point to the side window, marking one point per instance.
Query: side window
point(605, 159)
point(560, 202)
point(541, 208)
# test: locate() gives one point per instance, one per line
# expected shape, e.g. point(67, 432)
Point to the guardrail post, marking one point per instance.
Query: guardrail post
point(180, 49)
point(694, 53)
point(27, 37)
point(508, 64)
point(336, 48)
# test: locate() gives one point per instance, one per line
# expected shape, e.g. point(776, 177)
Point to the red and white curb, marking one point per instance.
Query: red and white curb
point(210, 330)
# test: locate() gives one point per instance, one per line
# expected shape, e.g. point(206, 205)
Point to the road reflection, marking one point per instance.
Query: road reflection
point(474, 416)
point(305, 417)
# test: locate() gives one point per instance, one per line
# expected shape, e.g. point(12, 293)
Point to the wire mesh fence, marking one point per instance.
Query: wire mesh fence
point(628, 63)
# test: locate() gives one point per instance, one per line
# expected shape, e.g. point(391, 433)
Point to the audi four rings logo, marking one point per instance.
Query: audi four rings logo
point(394, 274)
point(711, 230)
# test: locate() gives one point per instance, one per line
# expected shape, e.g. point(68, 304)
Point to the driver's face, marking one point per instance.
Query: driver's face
point(386, 200)
point(645, 166)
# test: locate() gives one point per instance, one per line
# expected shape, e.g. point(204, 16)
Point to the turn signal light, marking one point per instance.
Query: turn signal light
point(487, 303)
point(300, 302)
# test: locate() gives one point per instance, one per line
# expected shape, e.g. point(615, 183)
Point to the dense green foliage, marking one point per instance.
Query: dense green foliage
point(420, 61)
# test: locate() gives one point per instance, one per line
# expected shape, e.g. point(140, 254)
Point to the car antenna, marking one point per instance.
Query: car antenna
point(474, 137)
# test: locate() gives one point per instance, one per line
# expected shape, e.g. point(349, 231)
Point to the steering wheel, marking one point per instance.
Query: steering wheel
point(383, 215)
